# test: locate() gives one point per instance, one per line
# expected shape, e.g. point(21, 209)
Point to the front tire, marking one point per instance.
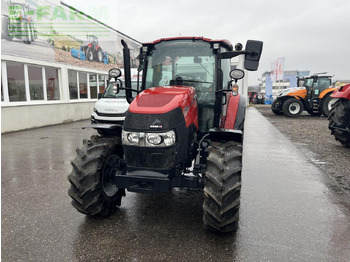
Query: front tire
point(222, 187)
point(92, 190)
point(275, 107)
point(340, 117)
point(292, 107)
point(90, 54)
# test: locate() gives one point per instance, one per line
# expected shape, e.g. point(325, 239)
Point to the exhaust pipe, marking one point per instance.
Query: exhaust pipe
point(127, 71)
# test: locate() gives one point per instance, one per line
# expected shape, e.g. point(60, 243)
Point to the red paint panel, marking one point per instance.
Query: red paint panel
point(231, 113)
point(342, 92)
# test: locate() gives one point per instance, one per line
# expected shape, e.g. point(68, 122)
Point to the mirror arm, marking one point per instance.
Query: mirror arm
point(230, 54)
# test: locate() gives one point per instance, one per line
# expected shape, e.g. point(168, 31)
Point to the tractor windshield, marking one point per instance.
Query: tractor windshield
point(308, 82)
point(183, 62)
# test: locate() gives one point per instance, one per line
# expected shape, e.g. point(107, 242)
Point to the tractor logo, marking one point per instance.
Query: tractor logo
point(156, 124)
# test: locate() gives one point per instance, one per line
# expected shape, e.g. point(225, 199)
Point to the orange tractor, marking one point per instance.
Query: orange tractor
point(313, 95)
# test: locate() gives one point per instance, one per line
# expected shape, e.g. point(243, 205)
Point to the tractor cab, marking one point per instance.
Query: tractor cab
point(193, 62)
point(92, 39)
point(315, 84)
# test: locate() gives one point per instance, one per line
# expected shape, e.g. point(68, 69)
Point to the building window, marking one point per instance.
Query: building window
point(2, 93)
point(83, 88)
point(52, 83)
point(16, 82)
point(36, 87)
point(93, 86)
point(73, 84)
point(101, 83)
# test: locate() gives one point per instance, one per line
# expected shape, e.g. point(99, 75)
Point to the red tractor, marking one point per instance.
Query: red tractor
point(182, 132)
point(92, 50)
point(339, 118)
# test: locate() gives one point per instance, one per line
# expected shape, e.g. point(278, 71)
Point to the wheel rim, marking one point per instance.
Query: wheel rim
point(111, 168)
point(100, 56)
point(294, 108)
point(331, 103)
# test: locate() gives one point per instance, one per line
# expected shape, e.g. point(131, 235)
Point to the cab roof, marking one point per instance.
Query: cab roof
point(222, 42)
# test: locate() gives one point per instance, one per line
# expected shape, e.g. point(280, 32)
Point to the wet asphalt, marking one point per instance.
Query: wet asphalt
point(287, 212)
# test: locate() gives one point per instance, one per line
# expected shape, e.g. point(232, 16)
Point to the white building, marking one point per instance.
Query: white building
point(42, 82)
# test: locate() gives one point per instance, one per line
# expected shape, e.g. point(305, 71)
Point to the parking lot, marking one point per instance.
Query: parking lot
point(289, 211)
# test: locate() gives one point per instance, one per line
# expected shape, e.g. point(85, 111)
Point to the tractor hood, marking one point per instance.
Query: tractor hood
point(160, 100)
point(112, 105)
point(291, 91)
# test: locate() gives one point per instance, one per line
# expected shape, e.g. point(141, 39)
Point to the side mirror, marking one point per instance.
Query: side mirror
point(117, 85)
point(253, 51)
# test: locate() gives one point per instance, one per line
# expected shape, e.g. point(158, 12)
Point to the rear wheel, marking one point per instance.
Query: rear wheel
point(340, 117)
point(327, 104)
point(275, 107)
point(222, 186)
point(292, 107)
point(99, 55)
point(92, 189)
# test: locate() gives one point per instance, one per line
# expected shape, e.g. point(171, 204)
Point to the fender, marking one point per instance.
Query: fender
point(326, 92)
point(342, 92)
point(235, 113)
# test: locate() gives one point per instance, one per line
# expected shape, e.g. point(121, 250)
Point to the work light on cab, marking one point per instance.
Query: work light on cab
point(114, 73)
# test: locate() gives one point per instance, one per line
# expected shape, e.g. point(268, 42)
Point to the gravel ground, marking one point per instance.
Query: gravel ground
point(312, 136)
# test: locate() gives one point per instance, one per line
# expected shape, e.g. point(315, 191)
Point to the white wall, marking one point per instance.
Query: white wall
point(15, 118)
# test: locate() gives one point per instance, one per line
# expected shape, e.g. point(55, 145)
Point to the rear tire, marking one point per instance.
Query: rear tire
point(292, 107)
point(99, 56)
point(340, 117)
point(222, 187)
point(327, 104)
point(92, 190)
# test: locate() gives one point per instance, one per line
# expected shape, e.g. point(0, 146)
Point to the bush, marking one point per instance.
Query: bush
point(64, 48)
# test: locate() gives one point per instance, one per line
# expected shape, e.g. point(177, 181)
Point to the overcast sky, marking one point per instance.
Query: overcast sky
point(311, 34)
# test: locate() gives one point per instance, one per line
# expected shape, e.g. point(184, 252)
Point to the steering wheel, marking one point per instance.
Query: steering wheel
point(183, 77)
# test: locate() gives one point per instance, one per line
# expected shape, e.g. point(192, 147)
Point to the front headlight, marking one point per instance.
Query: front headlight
point(130, 138)
point(154, 139)
point(169, 138)
point(160, 139)
point(133, 138)
point(149, 139)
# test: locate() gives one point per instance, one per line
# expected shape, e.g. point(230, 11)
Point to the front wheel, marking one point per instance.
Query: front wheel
point(275, 107)
point(92, 189)
point(26, 33)
point(340, 118)
point(89, 54)
point(292, 107)
point(222, 186)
